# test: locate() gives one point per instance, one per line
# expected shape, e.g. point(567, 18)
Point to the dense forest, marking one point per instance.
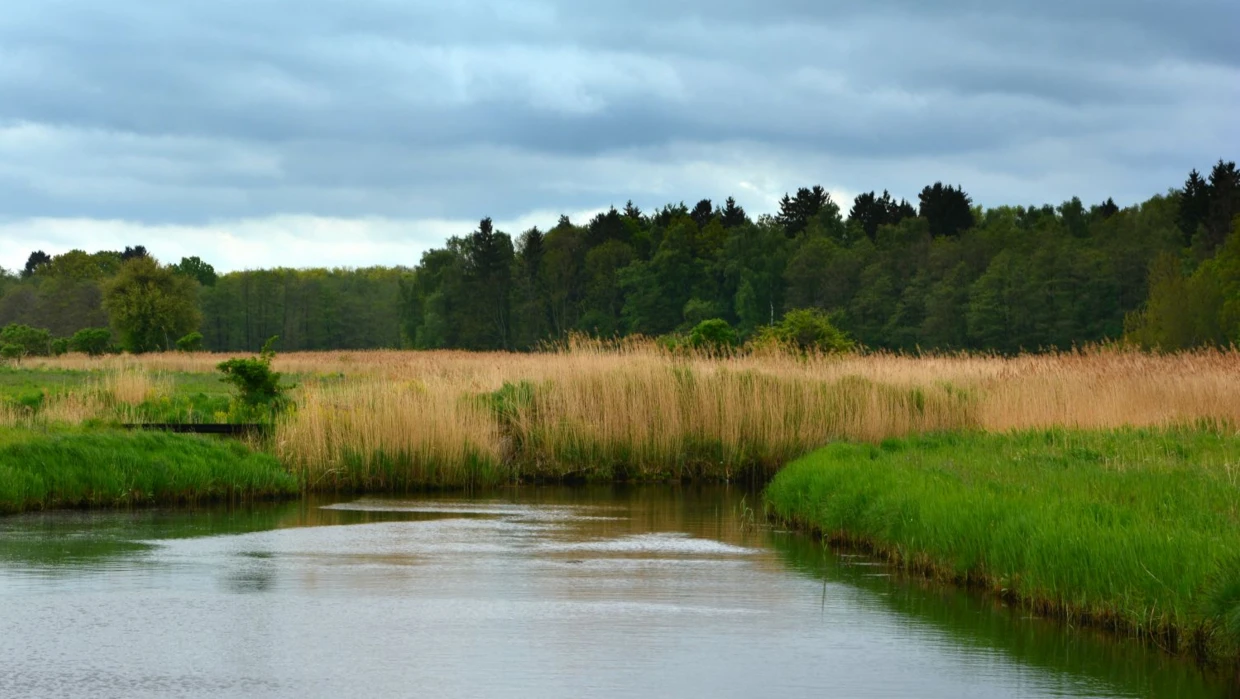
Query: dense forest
point(937, 274)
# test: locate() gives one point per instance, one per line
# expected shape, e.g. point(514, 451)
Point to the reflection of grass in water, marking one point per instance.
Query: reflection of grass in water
point(72, 539)
point(1097, 660)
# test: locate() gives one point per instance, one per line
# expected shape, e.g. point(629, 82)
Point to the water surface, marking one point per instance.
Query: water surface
point(537, 592)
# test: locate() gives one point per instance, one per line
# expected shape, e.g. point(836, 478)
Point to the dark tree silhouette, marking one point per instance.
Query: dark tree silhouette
point(1224, 190)
point(136, 251)
point(487, 257)
point(606, 226)
point(948, 209)
point(1194, 205)
point(795, 213)
point(732, 215)
point(37, 259)
point(702, 213)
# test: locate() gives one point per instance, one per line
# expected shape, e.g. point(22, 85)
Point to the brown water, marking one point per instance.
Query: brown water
point(548, 592)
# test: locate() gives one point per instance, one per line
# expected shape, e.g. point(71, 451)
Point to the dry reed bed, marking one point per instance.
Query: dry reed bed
point(629, 409)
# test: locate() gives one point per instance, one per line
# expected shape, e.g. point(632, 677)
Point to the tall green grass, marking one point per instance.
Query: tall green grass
point(1135, 530)
point(41, 470)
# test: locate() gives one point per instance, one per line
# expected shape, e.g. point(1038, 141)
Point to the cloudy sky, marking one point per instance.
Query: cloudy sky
point(262, 132)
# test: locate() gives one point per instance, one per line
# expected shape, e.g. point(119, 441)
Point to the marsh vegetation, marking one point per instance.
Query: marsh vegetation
point(1097, 486)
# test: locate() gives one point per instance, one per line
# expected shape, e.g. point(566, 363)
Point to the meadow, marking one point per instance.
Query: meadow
point(595, 411)
point(1098, 486)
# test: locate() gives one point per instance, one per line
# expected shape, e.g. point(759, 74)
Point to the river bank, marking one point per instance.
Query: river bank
point(105, 468)
point(1130, 530)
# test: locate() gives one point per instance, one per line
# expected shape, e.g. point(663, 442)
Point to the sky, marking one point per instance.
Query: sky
point(259, 133)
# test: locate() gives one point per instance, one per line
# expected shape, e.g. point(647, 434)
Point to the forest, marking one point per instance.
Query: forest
point(938, 274)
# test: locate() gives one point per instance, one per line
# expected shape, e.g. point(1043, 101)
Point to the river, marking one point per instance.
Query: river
point(530, 592)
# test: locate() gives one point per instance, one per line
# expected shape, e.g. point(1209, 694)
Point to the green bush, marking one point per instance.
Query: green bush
point(258, 387)
point(60, 346)
point(190, 343)
point(676, 343)
point(11, 352)
point(713, 335)
point(31, 342)
point(92, 341)
point(805, 330)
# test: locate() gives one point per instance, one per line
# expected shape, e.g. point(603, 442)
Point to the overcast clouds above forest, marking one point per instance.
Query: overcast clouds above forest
point(265, 133)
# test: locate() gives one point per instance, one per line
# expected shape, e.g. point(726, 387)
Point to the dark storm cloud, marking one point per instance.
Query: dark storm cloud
point(190, 111)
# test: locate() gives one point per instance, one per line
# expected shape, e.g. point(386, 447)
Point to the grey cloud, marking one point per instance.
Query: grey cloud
point(192, 111)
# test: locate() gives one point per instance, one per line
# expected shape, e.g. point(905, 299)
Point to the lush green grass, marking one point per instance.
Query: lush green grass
point(1137, 530)
point(106, 468)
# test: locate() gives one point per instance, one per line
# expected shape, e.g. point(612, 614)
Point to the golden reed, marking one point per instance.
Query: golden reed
point(382, 418)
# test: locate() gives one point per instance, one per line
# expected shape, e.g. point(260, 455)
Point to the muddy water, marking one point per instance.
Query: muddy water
point(608, 592)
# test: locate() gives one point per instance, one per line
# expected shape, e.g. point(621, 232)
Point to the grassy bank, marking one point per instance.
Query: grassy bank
point(1134, 530)
point(40, 470)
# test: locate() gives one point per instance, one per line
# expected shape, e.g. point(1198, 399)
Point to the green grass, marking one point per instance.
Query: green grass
point(1135, 530)
point(40, 470)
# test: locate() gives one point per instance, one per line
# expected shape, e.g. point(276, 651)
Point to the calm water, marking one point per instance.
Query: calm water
point(653, 592)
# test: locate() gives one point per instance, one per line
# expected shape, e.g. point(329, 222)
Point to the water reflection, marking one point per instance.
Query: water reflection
point(605, 591)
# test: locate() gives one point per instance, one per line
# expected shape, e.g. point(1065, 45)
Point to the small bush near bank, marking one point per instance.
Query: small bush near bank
point(259, 391)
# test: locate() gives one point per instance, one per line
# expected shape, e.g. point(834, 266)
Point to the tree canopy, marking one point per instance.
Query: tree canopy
point(150, 305)
point(941, 275)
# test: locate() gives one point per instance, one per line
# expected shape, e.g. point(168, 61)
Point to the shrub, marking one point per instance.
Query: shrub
point(258, 387)
point(92, 341)
point(675, 343)
point(190, 343)
point(11, 352)
point(714, 335)
point(60, 346)
point(805, 330)
point(30, 341)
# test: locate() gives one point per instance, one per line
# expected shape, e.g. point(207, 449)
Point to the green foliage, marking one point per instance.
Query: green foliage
point(92, 341)
point(258, 387)
point(60, 346)
point(10, 351)
point(511, 400)
point(714, 335)
point(1134, 528)
point(310, 309)
point(1184, 311)
point(194, 267)
point(102, 469)
point(190, 343)
point(149, 305)
point(30, 342)
point(944, 276)
point(805, 330)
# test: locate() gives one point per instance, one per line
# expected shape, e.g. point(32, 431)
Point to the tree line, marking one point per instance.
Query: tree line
point(936, 274)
